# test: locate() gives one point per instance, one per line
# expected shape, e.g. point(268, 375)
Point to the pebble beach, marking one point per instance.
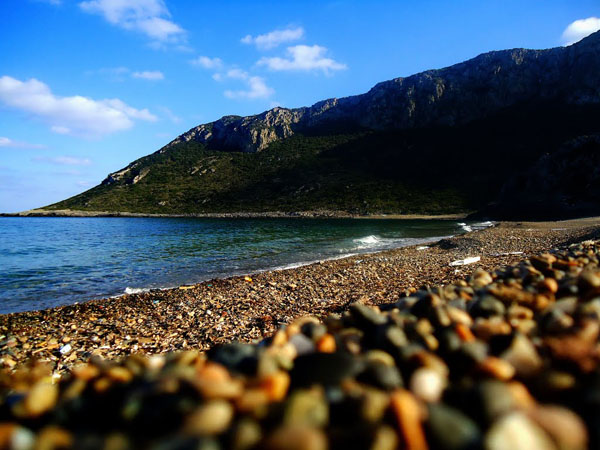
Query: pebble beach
point(403, 348)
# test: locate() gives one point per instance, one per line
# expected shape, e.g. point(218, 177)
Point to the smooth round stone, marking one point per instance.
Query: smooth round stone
point(237, 357)
point(516, 432)
point(430, 360)
point(351, 339)
point(385, 438)
point(302, 344)
point(296, 438)
point(394, 337)
point(380, 356)
point(481, 278)
point(458, 315)
point(267, 364)
point(324, 368)
point(52, 437)
point(450, 429)
point(366, 318)
point(487, 328)
point(210, 418)
point(564, 426)
point(117, 441)
point(497, 368)
point(246, 434)
point(426, 305)
point(472, 353)
point(519, 312)
point(408, 414)
point(588, 280)
point(495, 400)
point(427, 384)
point(449, 341)
point(307, 407)
point(523, 356)
point(487, 306)
point(374, 404)
point(40, 399)
point(15, 437)
point(381, 376)
point(556, 321)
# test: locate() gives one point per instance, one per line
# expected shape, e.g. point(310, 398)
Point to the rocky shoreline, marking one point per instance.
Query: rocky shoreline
point(480, 358)
point(253, 307)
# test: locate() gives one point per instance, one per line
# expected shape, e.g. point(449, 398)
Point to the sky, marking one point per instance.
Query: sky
point(88, 86)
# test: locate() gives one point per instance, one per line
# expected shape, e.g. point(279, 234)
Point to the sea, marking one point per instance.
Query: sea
point(53, 261)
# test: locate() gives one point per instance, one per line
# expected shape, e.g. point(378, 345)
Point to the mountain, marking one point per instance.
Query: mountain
point(443, 141)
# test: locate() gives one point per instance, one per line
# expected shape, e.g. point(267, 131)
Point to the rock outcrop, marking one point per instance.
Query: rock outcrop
point(451, 96)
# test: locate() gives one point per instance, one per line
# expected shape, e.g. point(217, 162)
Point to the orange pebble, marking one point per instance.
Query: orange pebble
point(276, 385)
point(214, 372)
point(550, 284)
point(497, 368)
point(464, 332)
point(326, 344)
point(408, 414)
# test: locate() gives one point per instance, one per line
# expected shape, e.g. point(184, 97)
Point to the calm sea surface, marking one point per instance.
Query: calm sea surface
point(47, 262)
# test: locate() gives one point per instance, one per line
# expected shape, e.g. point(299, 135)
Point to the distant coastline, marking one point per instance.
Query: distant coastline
point(232, 215)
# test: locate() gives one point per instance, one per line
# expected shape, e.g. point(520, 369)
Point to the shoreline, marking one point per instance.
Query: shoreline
point(247, 308)
point(320, 214)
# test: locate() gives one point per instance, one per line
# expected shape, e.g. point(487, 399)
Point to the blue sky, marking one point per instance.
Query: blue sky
point(87, 86)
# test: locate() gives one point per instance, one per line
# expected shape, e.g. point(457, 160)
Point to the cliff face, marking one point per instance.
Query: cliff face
point(452, 96)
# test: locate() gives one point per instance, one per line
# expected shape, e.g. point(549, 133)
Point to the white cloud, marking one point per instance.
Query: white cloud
point(120, 74)
point(579, 29)
point(10, 143)
point(76, 115)
point(257, 88)
point(207, 63)
point(170, 115)
point(237, 74)
point(151, 75)
point(303, 57)
point(64, 160)
point(150, 17)
point(274, 38)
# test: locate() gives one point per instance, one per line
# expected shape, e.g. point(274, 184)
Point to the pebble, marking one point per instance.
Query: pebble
point(210, 418)
point(296, 438)
point(246, 434)
point(302, 344)
point(41, 398)
point(565, 427)
point(427, 384)
point(408, 414)
point(381, 375)
point(516, 432)
point(306, 407)
point(523, 356)
point(450, 429)
point(487, 306)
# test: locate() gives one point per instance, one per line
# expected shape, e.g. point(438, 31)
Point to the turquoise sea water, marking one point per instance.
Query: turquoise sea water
point(47, 262)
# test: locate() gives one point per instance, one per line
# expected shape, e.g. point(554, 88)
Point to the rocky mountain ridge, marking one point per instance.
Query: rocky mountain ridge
point(451, 96)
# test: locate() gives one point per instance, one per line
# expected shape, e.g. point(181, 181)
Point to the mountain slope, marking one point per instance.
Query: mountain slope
point(441, 141)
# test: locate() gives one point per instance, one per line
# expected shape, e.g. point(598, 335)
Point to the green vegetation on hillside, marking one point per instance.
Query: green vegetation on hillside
point(434, 171)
